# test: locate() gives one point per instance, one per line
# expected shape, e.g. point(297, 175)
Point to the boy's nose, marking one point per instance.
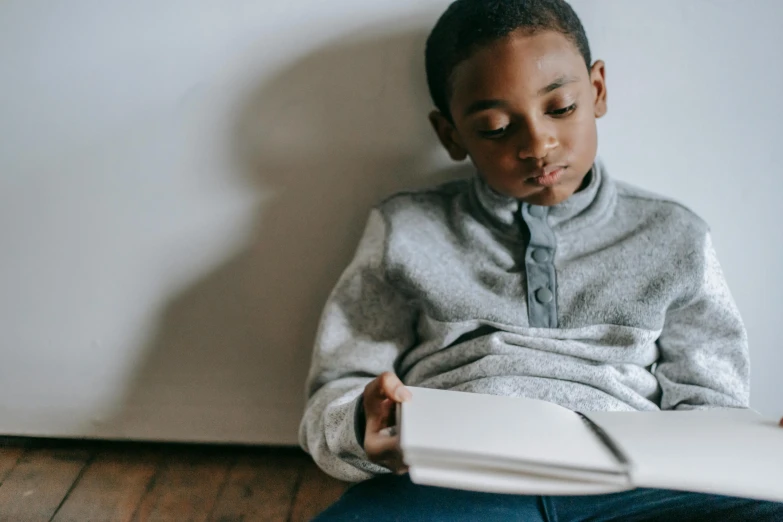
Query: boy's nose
point(537, 142)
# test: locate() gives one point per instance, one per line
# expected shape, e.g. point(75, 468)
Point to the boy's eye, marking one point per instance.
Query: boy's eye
point(493, 134)
point(564, 111)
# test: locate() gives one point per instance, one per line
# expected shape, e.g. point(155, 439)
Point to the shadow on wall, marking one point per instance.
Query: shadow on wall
point(326, 139)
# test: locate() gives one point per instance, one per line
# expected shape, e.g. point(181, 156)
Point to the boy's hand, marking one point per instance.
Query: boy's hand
point(381, 439)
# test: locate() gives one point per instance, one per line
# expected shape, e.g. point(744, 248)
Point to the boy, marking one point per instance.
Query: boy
point(542, 277)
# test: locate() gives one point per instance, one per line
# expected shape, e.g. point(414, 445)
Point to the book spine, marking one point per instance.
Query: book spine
point(607, 441)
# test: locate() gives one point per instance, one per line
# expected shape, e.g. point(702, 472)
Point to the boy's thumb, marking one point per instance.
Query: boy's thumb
point(402, 394)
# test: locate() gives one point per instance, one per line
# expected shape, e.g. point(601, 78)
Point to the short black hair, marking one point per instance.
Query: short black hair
point(468, 25)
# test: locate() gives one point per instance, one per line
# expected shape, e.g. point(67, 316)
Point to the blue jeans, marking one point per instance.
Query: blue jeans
point(396, 498)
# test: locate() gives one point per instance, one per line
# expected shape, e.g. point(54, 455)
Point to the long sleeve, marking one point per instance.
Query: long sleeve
point(703, 347)
point(365, 326)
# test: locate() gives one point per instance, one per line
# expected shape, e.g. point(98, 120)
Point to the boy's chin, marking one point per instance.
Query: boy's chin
point(548, 196)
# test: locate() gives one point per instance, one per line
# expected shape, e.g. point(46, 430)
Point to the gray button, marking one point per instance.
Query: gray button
point(537, 211)
point(544, 295)
point(540, 255)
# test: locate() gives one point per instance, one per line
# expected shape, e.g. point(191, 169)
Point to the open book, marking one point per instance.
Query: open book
point(525, 446)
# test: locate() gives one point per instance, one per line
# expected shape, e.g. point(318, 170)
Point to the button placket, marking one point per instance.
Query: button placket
point(539, 264)
point(540, 255)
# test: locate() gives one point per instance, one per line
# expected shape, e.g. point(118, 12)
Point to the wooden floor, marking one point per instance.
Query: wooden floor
point(59, 481)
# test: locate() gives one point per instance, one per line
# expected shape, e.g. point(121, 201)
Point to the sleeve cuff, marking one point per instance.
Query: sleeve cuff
point(359, 421)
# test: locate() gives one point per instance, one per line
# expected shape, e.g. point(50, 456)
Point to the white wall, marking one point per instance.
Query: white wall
point(181, 183)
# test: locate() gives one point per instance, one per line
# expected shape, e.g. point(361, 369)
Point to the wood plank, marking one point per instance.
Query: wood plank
point(111, 488)
point(260, 488)
point(34, 489)
point(186, 487)
point(9, 456)
point(317, 491)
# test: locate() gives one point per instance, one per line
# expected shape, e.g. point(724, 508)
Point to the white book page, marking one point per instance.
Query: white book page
point(498, 481)
point(723, 451)
point(495, 427)
point(532, 471)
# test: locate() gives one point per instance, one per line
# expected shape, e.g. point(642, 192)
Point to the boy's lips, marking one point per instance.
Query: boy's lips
point(547, 176)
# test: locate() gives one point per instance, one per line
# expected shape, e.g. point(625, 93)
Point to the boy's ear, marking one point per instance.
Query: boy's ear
point(448, 136)
point(598, 80)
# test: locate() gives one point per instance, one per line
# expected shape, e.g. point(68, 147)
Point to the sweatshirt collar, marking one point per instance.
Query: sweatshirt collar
point(588, 207)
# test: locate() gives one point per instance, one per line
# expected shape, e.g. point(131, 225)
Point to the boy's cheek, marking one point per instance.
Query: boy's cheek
point(499, 156)
point(581, 145)
point(499, 167)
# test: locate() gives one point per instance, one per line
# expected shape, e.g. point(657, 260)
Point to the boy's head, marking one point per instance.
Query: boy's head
point(515, 91)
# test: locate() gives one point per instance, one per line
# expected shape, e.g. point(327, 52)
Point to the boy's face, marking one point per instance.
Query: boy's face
point(524, 110)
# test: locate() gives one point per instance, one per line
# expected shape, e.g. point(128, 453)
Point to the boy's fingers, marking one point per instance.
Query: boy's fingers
point(388, 386)
point(378, 389)
point(385, 450)
point(381, 445)
point(394, 389)
point(391, 431)
point(380, 399)
point(403, 394)
point(396, 465)
point(380, 415)
point(402, 470)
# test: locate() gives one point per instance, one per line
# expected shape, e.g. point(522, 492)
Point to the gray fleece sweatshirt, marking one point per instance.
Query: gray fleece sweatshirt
point(611, 300)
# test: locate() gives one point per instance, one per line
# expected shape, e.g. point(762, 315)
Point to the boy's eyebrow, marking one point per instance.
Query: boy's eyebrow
point(483, 105)
point(559, 82)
